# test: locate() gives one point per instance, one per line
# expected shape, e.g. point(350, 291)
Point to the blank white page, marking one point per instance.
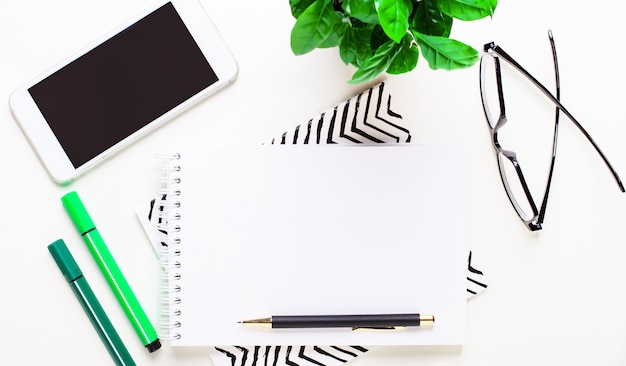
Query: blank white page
point(299, 230)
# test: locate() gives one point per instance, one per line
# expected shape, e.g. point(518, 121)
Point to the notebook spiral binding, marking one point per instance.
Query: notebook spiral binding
point(168, 226)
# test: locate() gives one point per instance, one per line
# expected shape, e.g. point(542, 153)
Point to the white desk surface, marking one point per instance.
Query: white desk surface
point(554, 297)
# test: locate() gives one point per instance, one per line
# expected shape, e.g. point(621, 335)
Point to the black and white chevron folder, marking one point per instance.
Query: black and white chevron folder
point(366, 118)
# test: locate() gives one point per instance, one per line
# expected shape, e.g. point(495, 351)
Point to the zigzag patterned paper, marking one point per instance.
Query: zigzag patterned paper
point(365, 118)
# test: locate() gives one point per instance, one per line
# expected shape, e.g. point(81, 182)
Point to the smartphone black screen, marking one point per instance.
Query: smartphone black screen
point(123, 84)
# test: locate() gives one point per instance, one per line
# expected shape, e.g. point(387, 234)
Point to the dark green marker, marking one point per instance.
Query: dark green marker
point(90, 303)
point(111, 271)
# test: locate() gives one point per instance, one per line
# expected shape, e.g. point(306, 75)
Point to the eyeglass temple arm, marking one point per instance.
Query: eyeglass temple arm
point(500, 52)
point(557, 81)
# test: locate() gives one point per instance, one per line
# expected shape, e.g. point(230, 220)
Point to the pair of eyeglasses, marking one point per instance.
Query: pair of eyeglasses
point(511, 173)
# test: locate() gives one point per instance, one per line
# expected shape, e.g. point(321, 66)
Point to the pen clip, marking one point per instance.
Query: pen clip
point(382, 328)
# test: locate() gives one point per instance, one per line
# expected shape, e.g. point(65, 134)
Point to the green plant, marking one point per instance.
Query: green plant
point(379, 36)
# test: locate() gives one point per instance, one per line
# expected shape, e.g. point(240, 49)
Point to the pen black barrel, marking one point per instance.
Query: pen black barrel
point(339, 321)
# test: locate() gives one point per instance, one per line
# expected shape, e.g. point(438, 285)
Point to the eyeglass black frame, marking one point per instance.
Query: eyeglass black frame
point(494, 52)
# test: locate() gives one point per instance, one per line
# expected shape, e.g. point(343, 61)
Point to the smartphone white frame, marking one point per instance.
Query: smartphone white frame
point(44, 142)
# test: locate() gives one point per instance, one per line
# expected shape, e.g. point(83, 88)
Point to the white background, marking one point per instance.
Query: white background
point(554, 297)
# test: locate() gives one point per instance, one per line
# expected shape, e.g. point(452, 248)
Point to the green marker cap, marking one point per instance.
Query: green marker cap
point(78, 212)
point(64, 260)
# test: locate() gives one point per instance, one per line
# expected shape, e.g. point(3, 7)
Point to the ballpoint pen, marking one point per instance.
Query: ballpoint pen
point(90, 303)
point(387, 321)
point(111, 271)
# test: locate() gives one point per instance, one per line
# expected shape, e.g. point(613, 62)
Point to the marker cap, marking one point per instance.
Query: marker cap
point(64, 260)
point(77, 212)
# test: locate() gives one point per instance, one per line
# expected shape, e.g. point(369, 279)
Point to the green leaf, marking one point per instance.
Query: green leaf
point(376, 64)
point(445, 53)
point(490, 6)
point(468, 9)
point(314, 27)
point(378, 38)
point(336, 35)
point(354, 47)
point(406, 58)
point(363, 10)
point(394, 17)
point(299, 6)
point(429, 19)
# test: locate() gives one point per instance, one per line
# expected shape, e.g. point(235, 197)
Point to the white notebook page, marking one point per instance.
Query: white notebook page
point(293, 230)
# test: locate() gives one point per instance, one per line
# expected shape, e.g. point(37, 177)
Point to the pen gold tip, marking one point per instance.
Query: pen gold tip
point(426, 320)
point(261, 321)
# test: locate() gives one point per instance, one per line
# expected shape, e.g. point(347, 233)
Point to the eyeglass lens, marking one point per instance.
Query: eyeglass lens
point(510, 170)
point(489, 90)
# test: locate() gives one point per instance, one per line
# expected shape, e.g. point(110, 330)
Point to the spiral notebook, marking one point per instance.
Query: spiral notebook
point(269, 230)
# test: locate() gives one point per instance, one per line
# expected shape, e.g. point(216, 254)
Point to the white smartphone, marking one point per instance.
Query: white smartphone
point(122, 86)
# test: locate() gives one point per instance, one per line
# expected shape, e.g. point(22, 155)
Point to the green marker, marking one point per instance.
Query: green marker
point(111, 271)
point(90, 303)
